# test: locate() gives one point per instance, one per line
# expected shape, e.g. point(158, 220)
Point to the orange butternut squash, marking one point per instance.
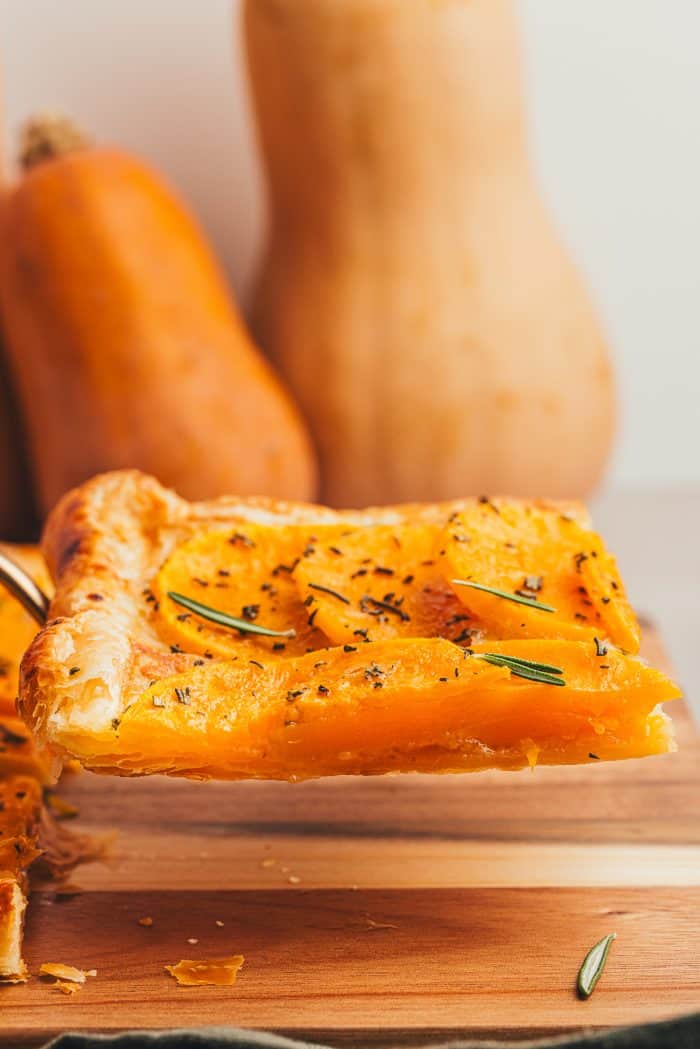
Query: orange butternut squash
point(411, 261)
point(545, 557)
point(126, 347)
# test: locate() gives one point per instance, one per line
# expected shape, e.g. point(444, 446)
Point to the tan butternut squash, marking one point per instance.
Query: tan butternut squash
point(414, 293)
point(123, 339)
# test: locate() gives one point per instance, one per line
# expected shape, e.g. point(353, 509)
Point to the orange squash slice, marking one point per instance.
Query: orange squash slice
point(247, 572)
point(545, 557)
point(125, 682)
point(371, 584)
point(419, 704)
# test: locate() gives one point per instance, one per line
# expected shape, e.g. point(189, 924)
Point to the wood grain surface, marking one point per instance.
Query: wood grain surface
point(393, 910)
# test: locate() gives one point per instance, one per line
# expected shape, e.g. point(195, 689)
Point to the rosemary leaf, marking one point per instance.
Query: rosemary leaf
point(522, 669)
point(333, 593)
point(530, 664)
point(531, 602)
point(593, 965)
point(215, 615)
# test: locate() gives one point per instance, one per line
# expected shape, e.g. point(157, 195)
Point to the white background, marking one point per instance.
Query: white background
point(614, 96)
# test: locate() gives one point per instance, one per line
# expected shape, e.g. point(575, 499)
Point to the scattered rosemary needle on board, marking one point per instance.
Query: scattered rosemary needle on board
point(215, 615)
point(593, 965)
point(531, 602)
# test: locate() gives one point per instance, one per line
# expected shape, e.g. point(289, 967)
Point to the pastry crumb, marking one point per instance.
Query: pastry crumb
point(219, 923)
point(66, 988)
point(147, 921)
point(217, 972)
point(192, 940)
point(62, 972)
point(294, 879)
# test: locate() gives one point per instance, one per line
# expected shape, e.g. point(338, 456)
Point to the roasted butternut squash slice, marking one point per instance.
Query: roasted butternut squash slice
point(371, 584)
point(118, 681)
point(544, 557)
point(400, 705)
point(248, 573)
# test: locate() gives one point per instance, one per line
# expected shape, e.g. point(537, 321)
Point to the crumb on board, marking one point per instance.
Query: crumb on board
point(147, 921)
point(268, 862)
point(66, 988)
point(217, 972)
point(294, 879)
point(65, 972)
point(192, 940)
point(219, 923)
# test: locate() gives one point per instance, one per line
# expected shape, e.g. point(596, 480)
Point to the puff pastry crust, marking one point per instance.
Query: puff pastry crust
point(93, 681)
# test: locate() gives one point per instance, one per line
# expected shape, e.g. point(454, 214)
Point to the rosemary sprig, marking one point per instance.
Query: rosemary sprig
point(525, 668)
point(531, 602)
point(215, 615)
point(593, 965)
point(529, 664)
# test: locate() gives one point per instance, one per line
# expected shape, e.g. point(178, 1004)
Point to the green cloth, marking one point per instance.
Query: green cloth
point(683, 1033)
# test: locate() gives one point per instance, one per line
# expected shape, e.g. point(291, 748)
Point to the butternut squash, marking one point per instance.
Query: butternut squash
point(411, 262)
point(124, 342)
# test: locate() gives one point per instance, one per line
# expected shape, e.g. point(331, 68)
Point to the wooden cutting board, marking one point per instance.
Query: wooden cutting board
point(394, 910)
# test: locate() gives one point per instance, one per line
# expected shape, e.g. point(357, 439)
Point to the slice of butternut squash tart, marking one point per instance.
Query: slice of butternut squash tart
point(248, 638)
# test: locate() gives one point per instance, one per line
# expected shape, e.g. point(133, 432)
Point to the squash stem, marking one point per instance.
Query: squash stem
point(46, 136)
